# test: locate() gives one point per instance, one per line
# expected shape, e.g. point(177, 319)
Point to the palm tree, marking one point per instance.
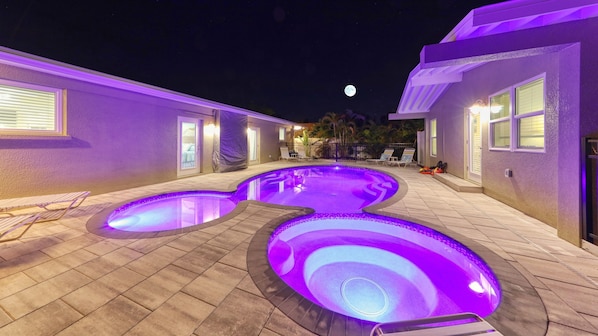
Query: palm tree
point(332, 120)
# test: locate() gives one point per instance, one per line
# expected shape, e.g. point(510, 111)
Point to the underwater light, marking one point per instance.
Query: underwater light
point(365, 296)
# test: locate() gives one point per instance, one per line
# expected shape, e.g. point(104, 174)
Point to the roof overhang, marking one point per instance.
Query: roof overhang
point(39, 64)
point(485, 35)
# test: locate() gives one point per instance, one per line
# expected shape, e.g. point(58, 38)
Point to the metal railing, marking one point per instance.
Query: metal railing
point(354, 151)
point(359, 152)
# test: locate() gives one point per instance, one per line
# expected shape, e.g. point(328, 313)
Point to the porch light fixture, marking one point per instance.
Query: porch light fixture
point(209, 129)
point(478, 107)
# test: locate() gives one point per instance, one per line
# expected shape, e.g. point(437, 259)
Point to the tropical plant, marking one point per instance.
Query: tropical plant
point(305, 142)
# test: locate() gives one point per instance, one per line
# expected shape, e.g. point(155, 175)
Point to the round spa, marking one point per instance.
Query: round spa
point(380, 269)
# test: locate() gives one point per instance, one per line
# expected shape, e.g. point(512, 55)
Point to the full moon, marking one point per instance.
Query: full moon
point(350, 90)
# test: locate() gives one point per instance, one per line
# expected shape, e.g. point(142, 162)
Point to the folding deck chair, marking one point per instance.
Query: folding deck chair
point(384, 157)
point(9, 224)
point(301, 154)
point(284, 154)
point(466, 324)
point(407, 157)
point(57, 203)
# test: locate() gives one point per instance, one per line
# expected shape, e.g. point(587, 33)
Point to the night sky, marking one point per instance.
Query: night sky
point(290, 59)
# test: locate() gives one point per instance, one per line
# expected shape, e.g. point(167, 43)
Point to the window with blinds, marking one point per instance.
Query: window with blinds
point(524, 123)
point(530, 114)
point(500, 120)
point(30, 109)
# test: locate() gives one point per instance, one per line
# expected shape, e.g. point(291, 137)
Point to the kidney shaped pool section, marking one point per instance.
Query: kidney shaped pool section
point(380, 269)
point(326, 189)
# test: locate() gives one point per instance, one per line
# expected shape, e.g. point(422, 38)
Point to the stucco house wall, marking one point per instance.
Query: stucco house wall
point(269, 147)
point(534, 186)
point(544, 185)
point(115, 139)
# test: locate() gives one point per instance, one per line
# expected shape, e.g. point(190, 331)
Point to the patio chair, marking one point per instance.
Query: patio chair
point(58, 204)
point(9, 224)
point(407, 157)
point(301, 154)
point(284, 154)
point(466, 324)
point(384, 157)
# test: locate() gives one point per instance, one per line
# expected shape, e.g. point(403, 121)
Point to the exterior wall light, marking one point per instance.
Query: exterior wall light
point(209, 129)
point(478, 107)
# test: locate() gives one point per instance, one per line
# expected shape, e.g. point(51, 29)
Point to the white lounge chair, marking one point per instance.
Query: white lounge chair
point(466, 324)
point(284, 154)
point(58, 204)
point(407, 157)
point(301, 154)
point(9, 224)
point(384, 157)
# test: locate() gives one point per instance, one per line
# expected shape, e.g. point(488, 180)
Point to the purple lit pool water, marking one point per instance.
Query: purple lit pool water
point(380, 269)
point(326, 189)
point(171, 211)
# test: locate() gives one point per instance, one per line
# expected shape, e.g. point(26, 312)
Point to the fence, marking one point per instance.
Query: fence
point(354, 151)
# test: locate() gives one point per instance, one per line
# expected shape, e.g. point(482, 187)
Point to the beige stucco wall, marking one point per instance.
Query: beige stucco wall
point(116, 140)
point(538, 178)
point(269, 145)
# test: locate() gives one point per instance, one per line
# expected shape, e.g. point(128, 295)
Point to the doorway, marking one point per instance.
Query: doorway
point(253, 145)
point(188, 147)
point(474, 139)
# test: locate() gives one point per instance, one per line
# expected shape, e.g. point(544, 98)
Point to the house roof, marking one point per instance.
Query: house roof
point(27, 61)
point(478, 39)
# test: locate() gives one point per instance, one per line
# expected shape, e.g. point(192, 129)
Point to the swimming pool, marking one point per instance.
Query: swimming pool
point(512, 313)
point(326, 189)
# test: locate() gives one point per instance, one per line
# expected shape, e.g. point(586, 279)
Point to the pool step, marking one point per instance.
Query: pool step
point(458, 184)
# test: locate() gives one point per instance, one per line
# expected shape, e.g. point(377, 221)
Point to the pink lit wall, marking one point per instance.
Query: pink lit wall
point(544, 185)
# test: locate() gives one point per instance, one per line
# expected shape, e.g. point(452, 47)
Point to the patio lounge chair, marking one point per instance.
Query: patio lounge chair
point(384, 157)
point(284, 154)
point(407, 157)
point(466, 324)
point(9, 224)
point(301, 154)
point(58, 204)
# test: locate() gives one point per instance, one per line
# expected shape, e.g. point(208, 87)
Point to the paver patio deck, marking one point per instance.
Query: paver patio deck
point(61, 279)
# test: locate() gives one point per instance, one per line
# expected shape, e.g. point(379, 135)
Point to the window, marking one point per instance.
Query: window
point(530, 115)
point(27, 109)
point(433, 139)
point(281, 132)
point(500, 120)
point(524, 122)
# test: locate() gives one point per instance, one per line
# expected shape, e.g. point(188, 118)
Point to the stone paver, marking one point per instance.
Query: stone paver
point(61, 279)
